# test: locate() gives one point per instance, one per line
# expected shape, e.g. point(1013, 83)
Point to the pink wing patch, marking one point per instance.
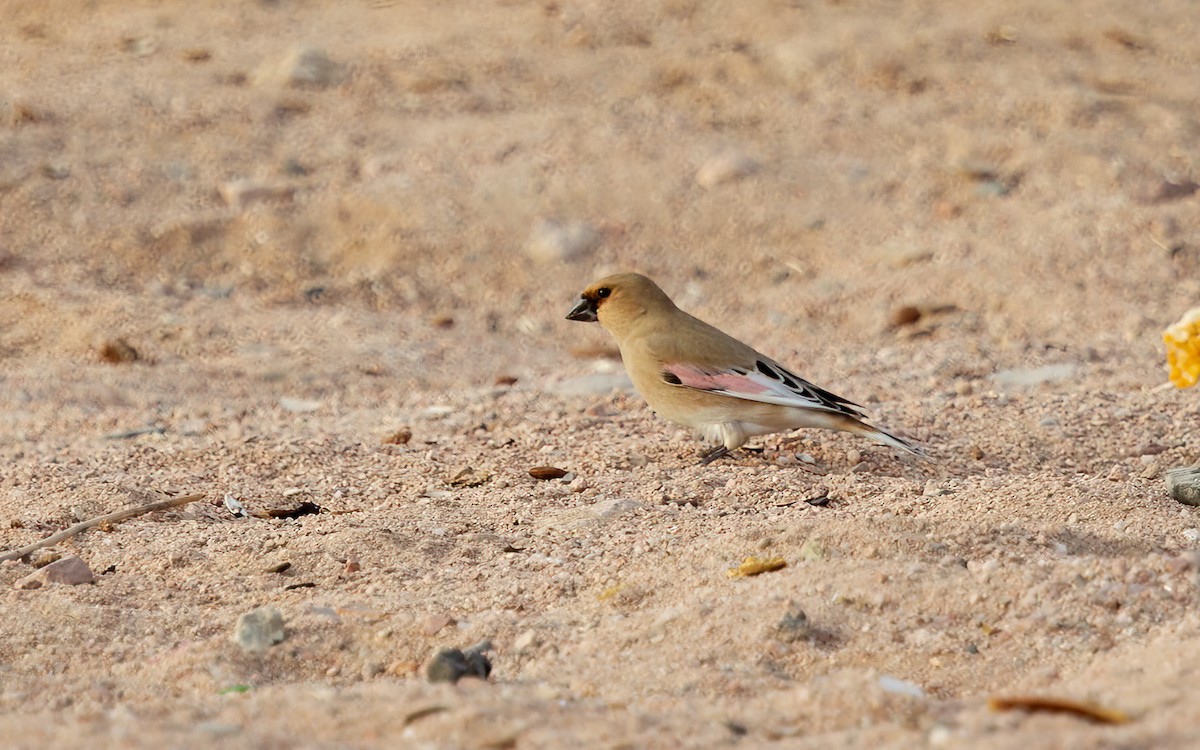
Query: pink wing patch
point(767, 383)
point(716, 380)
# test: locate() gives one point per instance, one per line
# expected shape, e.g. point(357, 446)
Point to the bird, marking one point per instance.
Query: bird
point(693, 374)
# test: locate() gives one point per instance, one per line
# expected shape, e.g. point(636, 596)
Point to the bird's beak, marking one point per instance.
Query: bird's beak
point(584, 312)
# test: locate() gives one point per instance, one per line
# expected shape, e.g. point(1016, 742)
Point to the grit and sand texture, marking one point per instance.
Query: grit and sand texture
point(247, 248)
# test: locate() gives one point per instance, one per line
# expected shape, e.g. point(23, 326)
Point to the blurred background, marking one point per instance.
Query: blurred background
point(1000, 179)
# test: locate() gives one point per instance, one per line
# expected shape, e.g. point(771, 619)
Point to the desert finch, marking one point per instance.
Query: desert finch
point(693, 374)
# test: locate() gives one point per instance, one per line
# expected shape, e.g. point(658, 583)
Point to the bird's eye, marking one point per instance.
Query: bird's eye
point(603, 292)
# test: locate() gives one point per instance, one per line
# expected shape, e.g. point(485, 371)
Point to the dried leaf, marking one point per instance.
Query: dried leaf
point(118, 351)
point(1059, 705)
point(399, 437)
point(753, 566)
point(1183, 349)
point(420, 713)
point(904, 316)
point(303, 509)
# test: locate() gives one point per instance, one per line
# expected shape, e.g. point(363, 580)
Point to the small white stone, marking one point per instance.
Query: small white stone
point(895, 685)
point(725, 167)
point(526, 641)
point(553, 241)
point(940, 736)
point(247, 192)
point(298, 405)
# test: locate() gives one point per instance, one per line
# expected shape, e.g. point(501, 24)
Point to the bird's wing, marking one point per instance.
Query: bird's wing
point(767, 382)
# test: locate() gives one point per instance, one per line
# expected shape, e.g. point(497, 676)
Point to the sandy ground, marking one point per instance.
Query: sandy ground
point(311, 254)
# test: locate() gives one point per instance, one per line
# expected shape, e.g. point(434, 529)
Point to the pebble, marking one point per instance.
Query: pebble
point(727, 166)
point(597, 384)
point(900, 253)
point(399, 437)
point(812, 550)
point(435, 623)
point(43, 557)
point(526, 641)
point(70, 571)
point(246, 192)
point(298, 405)
point(895, 685)
point(56, 170)
point(303, 67)
point(140, 46)
point(1183, 484)
point(991, 189)
point(554, 241)
point(1180, 564)
point(1165, 232)
point(1027, 377)
point(940, 736)
point(451, 665)
point(904, 316)
point(259, 629)
point(794, 625)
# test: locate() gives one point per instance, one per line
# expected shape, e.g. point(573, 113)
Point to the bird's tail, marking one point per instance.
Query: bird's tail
point(855, 426)
point(858, 427)
point(887, 438)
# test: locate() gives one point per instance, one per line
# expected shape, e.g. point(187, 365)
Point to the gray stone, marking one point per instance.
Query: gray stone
point(794, 626)
point(303, 67)
point(451, 665)
point(259, 629)
point(70, 571)
point(1183, 484)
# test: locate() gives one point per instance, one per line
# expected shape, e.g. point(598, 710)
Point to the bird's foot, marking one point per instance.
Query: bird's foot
point(719, 452)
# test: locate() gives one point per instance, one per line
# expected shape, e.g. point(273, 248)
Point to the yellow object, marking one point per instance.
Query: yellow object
point(1183, 349)
point(752, 566)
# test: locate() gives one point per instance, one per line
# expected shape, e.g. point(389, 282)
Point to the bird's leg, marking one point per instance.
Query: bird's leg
point(719, 452)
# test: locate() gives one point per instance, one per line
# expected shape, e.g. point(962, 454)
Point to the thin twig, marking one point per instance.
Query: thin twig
point(114, 517)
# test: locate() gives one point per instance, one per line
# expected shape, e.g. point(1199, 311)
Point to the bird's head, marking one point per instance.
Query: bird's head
point(618, 301)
